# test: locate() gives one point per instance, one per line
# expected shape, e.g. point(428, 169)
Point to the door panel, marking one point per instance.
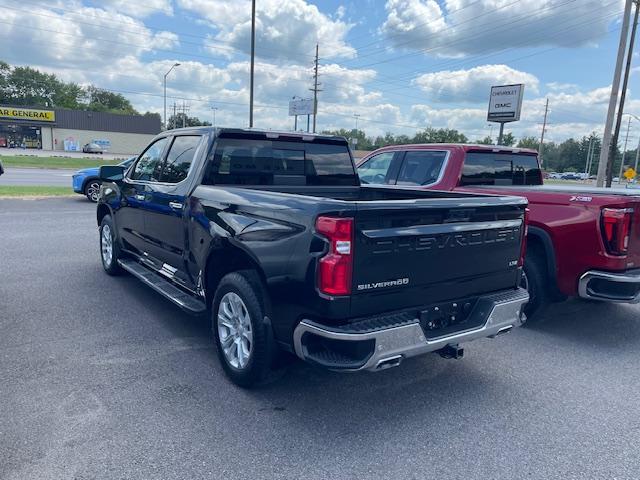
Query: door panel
point(165, 226)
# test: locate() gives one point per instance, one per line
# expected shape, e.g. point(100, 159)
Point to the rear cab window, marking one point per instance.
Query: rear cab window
point(282, 161)
point(500, 169)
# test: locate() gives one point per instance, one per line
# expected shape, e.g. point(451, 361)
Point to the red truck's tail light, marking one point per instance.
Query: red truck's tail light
point(616, 228)
point(336, 267)
point(525, 232)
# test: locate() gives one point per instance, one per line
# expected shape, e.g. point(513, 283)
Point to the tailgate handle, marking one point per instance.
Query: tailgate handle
point(440, 228)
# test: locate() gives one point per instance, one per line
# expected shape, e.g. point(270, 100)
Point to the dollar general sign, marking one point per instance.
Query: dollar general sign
point(28, 114)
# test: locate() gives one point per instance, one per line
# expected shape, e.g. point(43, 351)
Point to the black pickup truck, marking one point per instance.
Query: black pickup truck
point(272, 234)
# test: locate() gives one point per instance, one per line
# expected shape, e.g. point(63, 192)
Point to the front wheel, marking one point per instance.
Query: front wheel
point(244, 341)
point(109, 248)
point(92, 190)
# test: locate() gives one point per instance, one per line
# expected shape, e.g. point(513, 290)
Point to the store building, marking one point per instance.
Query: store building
point(61, 129)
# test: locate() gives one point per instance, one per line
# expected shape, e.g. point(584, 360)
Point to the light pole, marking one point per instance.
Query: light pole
point(165, 93)
point(355, 132)
point(253, 57)
point(213, 109)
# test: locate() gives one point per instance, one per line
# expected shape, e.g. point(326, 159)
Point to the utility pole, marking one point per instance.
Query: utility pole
point(315, 90)
point(355, 132)
point(607, 143)
point(213, 109)
point(624, 150)
point(637, 153)
point(253, 56)
point(623, 95)
point(587, 166)
point(544, 127)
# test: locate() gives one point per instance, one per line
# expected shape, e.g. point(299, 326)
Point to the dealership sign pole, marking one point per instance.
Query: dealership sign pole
point(301, 106)
point(505, 104)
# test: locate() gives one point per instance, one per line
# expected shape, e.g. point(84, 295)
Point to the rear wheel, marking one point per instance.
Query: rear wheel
point(535, 280)
point(92, 190)
point(244, 341)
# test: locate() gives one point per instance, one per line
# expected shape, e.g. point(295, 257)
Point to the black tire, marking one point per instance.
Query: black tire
point(536, 281)
point(109, 263)
point(246, 284)
point(92, 189)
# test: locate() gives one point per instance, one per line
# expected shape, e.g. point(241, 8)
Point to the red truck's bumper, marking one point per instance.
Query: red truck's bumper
point(620, 287)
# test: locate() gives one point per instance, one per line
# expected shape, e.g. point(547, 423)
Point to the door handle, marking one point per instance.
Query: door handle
point(175, 205)
point(140, 197)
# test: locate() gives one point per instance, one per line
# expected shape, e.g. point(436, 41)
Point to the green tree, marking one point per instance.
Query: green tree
point(508, 139)
point(528, 142)
point(440, 135)
point(99, 100)
point(28, 86)
point(485, 141)
point(180, 120)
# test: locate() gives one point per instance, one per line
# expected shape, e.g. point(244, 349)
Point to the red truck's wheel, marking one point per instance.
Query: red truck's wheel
point(535, 281)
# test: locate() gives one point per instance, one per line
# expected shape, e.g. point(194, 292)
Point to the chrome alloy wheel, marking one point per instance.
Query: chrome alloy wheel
point(234, 330)
point(93, 191)
point(106, 245)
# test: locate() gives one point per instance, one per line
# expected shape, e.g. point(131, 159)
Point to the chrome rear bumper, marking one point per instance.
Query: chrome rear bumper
point(388, 346)
point(622, 287)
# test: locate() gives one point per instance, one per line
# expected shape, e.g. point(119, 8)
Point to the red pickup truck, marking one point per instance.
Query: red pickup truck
point(583, 241)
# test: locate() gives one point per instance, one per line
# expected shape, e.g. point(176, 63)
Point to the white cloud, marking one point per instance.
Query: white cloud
point(472, 85)
point(57, 40)
point(285, 29)
point(137, 8)
point(462, 27)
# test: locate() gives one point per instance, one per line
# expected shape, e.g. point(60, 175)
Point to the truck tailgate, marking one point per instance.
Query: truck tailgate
point(431, 251)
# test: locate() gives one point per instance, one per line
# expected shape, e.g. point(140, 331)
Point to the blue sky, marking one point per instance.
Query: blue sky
point(402, 65)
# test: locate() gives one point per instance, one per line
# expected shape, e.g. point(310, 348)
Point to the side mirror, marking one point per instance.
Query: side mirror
point(112, 173)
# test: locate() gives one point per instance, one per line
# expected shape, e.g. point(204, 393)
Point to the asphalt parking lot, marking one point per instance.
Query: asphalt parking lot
point(104, 379)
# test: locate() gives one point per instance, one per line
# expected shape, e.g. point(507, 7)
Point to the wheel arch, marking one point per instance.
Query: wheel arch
point(102, 211)
point(539, 239)
point(86, 181)
point(224, 260)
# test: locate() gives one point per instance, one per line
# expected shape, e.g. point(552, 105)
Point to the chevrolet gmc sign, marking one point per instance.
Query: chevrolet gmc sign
point(505, 103)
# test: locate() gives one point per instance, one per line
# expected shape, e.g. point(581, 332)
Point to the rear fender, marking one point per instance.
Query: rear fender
point(537, 234)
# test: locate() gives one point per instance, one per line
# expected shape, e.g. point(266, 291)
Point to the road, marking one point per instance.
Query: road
point(60, 153)
point(103, 379)
point(37, 176)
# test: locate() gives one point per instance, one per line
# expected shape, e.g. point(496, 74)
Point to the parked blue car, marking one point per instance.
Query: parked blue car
point(86, 181)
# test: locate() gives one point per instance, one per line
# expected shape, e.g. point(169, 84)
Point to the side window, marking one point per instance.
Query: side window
point(149, 165)
point(489, 168)
point(179, 158)
point(376, 169)
point(421, 167)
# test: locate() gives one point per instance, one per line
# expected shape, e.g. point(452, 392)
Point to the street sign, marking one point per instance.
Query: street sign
point(505, 103)
point(630, 174)
point(301, 106)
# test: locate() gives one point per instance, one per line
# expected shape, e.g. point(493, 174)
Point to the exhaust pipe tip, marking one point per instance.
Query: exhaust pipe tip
point(389, 362)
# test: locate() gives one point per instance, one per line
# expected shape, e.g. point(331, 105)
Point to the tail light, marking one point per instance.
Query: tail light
point(525, 232)
point(616, 228)
point(336, 267)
